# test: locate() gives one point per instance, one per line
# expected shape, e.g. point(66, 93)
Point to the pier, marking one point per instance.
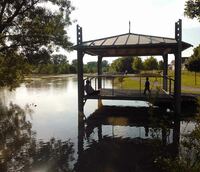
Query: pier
point(130, 44)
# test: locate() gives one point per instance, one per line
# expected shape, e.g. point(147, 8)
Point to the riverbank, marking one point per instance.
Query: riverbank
point(42, 76)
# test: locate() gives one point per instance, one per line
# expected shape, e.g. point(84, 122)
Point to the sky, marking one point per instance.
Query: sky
point(103, 18)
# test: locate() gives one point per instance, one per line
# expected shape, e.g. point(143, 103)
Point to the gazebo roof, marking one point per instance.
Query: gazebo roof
point(130, 44)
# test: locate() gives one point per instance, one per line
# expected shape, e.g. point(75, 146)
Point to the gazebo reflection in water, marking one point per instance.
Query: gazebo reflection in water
point(116, 138)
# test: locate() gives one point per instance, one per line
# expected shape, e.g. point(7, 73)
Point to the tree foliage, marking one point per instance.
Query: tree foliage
point(151, 63)
point(160, 65)
point(91, 67)
point(30, 28)
point(55, 64)
point(12, 69)
point(28, 25)
point(192, 9)
point(38, 57)
point(73, 66)
point(193, 63)
point(105, 66)
point(122, 64)
point(137, 64)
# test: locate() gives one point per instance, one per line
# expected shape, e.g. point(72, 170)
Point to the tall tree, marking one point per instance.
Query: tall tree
point(59, 59)
point(151, 63)
point(105, 66)
point(193, 63)
point(160, 65)
point(122, 64)
point(192, 9)
point(26, 26)
point(73, 66)
point(91, 67)
point(137, 64)
point(41, 56)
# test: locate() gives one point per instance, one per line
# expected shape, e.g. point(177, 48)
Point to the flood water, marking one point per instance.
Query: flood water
point(40, 131)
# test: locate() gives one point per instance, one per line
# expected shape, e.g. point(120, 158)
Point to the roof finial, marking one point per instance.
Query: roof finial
point(129, 26)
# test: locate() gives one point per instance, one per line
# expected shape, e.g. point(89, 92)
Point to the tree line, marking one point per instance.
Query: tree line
point(44, 63)
point(58, 64)
point(135, 64)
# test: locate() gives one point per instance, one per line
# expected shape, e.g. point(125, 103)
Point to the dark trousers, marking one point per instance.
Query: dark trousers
point(147, 89)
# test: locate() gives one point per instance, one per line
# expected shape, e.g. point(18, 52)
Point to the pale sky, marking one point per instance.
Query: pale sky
point(103, 18)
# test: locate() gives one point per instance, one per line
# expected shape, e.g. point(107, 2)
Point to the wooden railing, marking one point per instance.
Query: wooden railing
point(111, 78)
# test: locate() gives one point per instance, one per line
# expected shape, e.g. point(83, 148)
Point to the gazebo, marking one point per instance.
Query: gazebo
point(130, 44)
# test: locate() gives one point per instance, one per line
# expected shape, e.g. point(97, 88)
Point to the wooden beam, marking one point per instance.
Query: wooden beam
point(176, 138)
point(177, 82)
point(80, 75)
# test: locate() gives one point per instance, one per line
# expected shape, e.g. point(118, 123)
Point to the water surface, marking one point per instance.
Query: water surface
point(41, 132)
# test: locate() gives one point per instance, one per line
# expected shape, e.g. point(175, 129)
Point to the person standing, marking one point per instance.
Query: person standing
point(147, 86)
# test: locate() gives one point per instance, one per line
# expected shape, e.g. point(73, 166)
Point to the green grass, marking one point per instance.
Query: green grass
point(134, 82)
point(188, 82)
point(188, 79)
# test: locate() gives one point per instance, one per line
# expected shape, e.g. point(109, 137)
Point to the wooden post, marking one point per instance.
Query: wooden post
point(165, 72)
point(100, 132)
point(176, 137)
point(81, 135)
point(177, 82)
point(99, 71)
point(170, 86)
point(80, 74)
point(140, 85)
point(164, 136)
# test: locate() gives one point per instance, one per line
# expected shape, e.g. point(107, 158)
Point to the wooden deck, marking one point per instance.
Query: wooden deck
point(125, 94)
point(156, 98)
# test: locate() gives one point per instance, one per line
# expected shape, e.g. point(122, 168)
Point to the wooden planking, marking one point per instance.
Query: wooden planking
point(119, 94)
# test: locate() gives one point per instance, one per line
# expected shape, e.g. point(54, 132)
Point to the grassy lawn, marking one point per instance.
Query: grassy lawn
point(188, 79)
point(188, 82)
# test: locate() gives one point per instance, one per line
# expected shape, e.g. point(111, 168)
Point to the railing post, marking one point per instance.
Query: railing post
point(95, 83)
point(165, 71)
point(104, 83)
point(113, 85)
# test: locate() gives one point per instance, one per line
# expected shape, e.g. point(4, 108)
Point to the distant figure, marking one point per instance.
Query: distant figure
point(89, 90)
point(156, 85)
point(126, 72)
point(147, 86)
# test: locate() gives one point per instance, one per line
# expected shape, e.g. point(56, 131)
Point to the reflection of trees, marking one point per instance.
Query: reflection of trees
point(15, 133)
point(19, 150)
point(48, 82)
point(51, 156)
point(189, 157)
